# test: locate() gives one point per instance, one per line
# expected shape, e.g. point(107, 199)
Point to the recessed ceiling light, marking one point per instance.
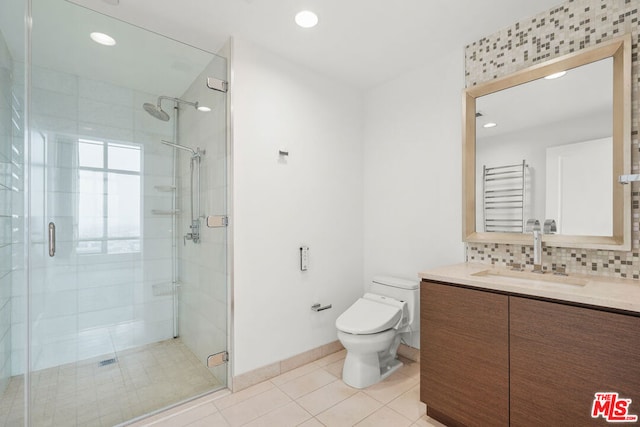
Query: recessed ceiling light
point(306, 19)
point(490, 125)
point(556, 75)
point(103, 39)
point(204, 108)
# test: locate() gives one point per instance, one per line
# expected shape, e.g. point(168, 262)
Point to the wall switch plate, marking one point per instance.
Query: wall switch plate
point(304, 258)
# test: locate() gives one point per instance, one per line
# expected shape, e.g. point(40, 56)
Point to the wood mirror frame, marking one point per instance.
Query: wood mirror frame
point(620, 50)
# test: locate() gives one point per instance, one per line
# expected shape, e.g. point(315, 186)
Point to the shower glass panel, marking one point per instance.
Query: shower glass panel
point(115, 313)
point(12, 212)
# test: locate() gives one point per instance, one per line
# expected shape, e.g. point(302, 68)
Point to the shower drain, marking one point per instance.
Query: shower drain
point(107, 362)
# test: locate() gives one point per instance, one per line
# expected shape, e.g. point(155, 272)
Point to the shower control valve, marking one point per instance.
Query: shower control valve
point(195, 232)
point(195, 237)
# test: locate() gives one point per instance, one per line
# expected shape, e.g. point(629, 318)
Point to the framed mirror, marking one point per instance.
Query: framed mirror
point(543, 148)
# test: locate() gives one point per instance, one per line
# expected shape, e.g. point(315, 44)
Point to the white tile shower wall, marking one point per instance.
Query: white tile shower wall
point(202, 267)
point(17, 279)
point(91, 305)
point(567, 28)
point(6, 212)
point(313, 197)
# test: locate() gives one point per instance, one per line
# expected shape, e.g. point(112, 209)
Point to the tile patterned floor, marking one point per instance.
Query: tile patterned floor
point(311, 395)
point(86, 393)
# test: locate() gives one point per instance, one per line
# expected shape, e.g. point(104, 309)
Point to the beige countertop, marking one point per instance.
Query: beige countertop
point(620, 294)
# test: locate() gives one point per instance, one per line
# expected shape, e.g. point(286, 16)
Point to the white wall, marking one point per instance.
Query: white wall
point(531, 145)
point(312, 197)
point(571, 169)
point(400, 193)
point(412, 171)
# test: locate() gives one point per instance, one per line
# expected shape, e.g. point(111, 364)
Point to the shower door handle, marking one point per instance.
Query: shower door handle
point(52, 239)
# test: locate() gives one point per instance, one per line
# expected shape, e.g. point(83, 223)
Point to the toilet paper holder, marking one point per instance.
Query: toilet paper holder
point(319, 307)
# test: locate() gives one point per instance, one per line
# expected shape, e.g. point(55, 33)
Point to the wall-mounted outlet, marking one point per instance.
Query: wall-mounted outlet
point(304, 258)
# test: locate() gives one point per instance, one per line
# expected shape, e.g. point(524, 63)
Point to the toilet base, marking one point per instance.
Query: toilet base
point(363, 370)
point(395, 365)
point(370, 358)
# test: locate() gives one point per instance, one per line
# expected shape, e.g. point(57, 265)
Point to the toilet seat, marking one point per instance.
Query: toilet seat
point(366, 317)
point(373, 327)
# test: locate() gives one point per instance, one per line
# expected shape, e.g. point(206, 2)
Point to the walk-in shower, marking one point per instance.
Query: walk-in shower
point(89, 334)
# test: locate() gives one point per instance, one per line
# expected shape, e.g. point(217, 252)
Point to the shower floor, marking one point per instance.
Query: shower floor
point(104, 392)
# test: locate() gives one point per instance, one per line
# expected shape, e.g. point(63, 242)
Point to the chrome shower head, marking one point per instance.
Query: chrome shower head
point(156, 111)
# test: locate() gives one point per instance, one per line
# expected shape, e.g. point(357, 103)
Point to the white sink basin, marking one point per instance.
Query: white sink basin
point(530, 277)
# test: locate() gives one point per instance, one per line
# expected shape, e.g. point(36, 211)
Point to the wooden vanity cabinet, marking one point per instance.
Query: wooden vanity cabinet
point(561, 355)
point(494, 359)
point(464, 354)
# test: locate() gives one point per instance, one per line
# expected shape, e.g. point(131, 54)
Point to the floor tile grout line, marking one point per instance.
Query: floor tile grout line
point(254, 396)
point(295, 378)
point(403, 415)
point(250, 397)
point(312, 391)
point(292, 400)
point(182, 412)
point(382, 407)
point(315, 417)
point(299, 397)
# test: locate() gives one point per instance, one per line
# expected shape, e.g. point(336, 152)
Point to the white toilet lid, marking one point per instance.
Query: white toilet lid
point(368, 317)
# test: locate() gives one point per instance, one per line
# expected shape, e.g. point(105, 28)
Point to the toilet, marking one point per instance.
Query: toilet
point(372, 328)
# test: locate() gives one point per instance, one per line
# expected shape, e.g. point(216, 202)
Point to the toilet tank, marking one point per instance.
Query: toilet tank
point(401, 289)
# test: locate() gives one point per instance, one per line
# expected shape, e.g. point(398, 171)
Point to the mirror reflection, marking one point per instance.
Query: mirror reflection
point(544, 150)
point(555, 132)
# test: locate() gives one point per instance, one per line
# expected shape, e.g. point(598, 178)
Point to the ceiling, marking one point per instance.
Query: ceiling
point(360, 42)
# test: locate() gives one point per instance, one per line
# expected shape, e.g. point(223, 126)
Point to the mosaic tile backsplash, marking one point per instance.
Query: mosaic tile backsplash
point(567, 28)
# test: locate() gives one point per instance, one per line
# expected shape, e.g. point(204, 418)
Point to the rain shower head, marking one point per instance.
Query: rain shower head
point(156, 111)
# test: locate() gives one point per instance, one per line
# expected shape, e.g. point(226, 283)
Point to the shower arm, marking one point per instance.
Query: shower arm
point(194, 153)
point(177, 101)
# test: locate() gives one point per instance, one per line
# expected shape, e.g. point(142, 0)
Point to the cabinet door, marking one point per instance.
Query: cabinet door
point(562, 355)
point(464, 355)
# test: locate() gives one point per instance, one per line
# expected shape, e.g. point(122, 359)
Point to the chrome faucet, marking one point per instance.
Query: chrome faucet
point(533, 226)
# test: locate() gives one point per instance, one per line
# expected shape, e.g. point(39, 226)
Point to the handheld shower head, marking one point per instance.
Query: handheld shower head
point(156, 111)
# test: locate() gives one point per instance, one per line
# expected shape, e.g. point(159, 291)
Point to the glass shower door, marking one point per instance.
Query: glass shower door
point(120, 305)
point(86, 285)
